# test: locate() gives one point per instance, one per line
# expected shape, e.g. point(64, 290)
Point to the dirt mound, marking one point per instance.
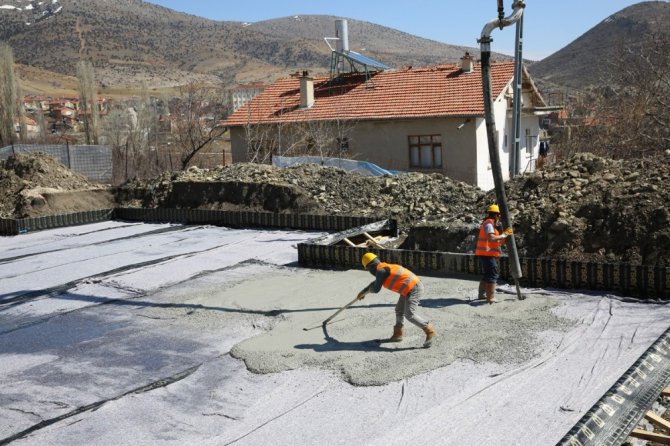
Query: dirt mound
point(409, 198)
point(584, 208)
point(597, 209)
point(36, 184)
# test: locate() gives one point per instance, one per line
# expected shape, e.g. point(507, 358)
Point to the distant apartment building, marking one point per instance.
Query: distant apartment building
point(240, 94)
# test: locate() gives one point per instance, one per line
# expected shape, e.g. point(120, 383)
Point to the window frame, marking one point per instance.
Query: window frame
point(433, 143)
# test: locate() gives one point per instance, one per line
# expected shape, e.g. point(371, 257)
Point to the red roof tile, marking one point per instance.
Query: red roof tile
point(414, 93)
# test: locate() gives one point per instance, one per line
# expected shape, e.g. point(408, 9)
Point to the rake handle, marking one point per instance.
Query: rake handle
point(340, 310)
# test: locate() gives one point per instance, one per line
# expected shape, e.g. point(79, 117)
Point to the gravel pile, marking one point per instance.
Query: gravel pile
point(409, 198)
point(591, 208)
point(583, 208)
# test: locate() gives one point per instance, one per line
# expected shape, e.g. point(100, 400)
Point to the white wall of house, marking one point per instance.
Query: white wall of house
point(484, 174)
point(386, 143)
point(528, 143)
point(465, 155)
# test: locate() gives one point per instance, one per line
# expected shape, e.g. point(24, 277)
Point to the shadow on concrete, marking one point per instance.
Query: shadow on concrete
point(134, 302)
point(332, 345)
point(442, 302)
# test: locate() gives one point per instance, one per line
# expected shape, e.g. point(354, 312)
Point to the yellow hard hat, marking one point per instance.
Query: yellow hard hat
point(367, 258)
point(493, 208)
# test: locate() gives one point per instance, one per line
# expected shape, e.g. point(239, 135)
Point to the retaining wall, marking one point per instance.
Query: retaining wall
point(233, 219)
point(629, 280)
point(618, 412)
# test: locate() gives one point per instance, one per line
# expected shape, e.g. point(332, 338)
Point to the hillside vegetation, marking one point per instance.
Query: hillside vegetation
point(131, 42)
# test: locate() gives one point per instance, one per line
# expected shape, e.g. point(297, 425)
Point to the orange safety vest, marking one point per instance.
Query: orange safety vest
point(401, 280)
point(486, 247)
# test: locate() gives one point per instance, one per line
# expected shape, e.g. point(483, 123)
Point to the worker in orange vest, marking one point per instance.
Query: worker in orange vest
point(407, 284)
point(489, 242)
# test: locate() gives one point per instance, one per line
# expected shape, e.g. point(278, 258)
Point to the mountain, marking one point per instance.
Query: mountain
point(580, 64)
point(133, 43)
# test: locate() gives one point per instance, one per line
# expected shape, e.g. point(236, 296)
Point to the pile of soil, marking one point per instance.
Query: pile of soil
point(36, 184)
point(595, 209)
point(409, 198)
point(583, 208)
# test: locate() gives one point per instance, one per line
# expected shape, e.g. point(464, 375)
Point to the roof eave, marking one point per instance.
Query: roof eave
point(366, 118)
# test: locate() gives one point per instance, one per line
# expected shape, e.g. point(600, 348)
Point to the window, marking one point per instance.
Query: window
point(425, 151)
point(343, 144)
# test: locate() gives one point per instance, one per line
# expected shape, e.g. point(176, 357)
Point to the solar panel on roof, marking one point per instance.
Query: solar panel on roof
point(365, 60)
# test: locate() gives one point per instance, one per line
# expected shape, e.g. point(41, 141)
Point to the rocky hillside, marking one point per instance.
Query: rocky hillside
point(580, 64)
point(131, 42)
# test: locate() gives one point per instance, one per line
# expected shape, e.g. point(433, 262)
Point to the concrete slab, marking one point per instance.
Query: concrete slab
point(119, 333)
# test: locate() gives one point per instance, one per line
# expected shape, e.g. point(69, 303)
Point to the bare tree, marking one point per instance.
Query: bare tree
point(297, 137)
point(329, 138)
point(630, 116)
point(8, 95)
point(41, 125)
point(132, 133)
point(198, 116)
point(88, 99)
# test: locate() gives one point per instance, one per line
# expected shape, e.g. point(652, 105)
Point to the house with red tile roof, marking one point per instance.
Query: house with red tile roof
point(428, 119)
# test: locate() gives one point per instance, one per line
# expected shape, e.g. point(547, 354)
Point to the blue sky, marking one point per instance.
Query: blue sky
point(549, 25)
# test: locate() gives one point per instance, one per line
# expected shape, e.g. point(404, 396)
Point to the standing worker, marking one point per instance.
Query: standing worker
point(488, 251)
point(544, 152)
point(407, 284)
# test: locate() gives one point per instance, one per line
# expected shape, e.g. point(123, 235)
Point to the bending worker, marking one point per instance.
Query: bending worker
point(407, 284)
point(488, 251)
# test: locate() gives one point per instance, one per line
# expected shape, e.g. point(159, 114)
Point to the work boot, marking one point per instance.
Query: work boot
point(398, 333)
point(481, 295)
point(490, 293)
point(430, 335)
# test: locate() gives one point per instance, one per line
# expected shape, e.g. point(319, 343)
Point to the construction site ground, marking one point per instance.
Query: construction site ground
point(582, 208)
point(121, 333)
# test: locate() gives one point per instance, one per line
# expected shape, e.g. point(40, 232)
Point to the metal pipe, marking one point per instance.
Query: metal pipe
point(492, 136)
point(515, 158)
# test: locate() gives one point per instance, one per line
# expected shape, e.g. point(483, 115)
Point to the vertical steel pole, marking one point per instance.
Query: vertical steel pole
point(492, 136)
point(515, 159)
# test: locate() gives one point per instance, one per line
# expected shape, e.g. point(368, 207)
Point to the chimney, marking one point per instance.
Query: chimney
point(306, 90)
point(467, 63)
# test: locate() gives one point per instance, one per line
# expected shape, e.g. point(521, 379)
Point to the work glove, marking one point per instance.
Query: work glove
point(508, 231)
point(362, 294)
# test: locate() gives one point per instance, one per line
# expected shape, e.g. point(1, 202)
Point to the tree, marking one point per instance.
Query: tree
point(628, 116)
point(88, 100)
point(301, 136)
point(198, 116)
point(132, 132)
point(8, 95)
